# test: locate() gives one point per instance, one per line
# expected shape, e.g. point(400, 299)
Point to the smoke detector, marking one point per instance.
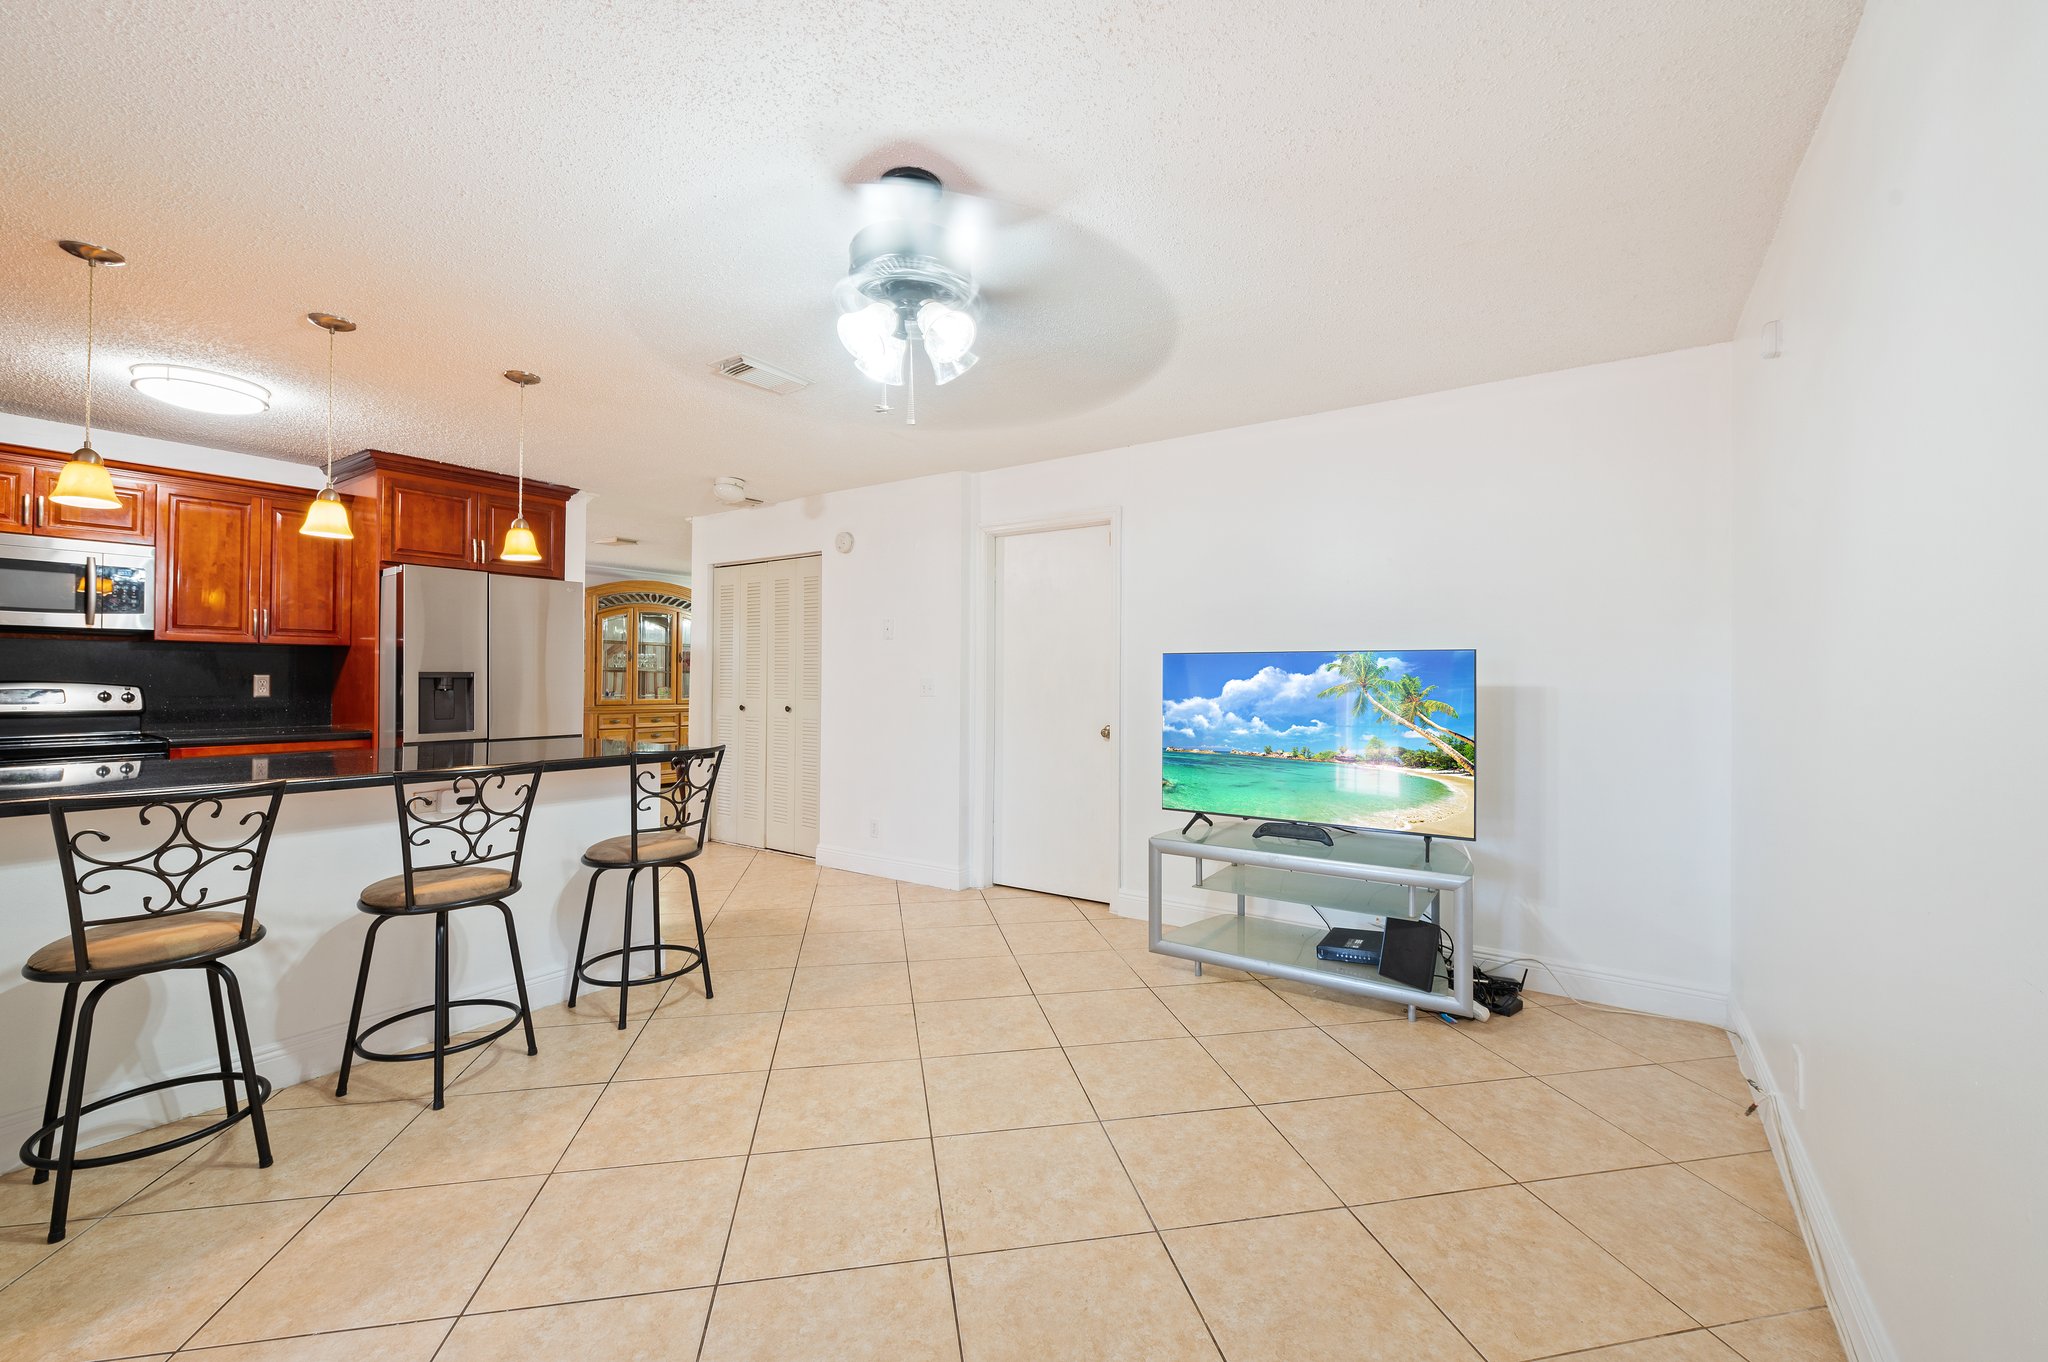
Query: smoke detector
point(733, 492)
point(746, 369)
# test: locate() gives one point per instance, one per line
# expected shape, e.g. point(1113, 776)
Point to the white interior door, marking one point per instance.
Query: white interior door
point(765, 703)
point(795, 623)
point(1055, 707)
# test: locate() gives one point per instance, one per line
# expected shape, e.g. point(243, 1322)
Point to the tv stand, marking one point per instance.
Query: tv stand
point(1189, 826)
point(1366, 876)
point(1294, 832)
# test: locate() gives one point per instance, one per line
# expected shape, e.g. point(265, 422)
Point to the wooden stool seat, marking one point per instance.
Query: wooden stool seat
point(131, 947)
point(655, 847)
point(442, 887)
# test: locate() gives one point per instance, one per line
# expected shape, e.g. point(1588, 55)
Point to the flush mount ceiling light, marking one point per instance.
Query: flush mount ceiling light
point(199, 389)
point(520, 545)
point(906, 286)
point(733, 492)
point(327, 517)
point(84, 480)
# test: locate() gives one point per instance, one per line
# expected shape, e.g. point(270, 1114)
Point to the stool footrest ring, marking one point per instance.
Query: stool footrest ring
point(390, 1057)
point(696, 962)
point(261, 1086)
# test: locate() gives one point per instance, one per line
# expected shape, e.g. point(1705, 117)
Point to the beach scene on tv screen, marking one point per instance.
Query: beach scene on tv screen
point(1357, 739)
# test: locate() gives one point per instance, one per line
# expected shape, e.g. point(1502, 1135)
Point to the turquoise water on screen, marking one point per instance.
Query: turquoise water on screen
point(1272, 787)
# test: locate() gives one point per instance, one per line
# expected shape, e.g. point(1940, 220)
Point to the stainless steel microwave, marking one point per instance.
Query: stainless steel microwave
point(76, 584)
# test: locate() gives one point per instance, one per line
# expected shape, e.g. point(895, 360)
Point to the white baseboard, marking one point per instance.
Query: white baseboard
point(285, 1061)
point(891, 867)
point(1588, 983)
point(1855, 1313)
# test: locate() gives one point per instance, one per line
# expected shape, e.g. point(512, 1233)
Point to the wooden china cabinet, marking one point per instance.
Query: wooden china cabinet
point(637, 676)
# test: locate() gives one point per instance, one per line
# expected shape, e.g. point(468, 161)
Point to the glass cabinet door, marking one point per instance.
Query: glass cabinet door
point(655, 667)
point(683, 656)
point(614, 656)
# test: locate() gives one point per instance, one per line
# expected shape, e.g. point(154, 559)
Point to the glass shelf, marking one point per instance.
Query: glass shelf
point(1322, 892)
point(1256, 942)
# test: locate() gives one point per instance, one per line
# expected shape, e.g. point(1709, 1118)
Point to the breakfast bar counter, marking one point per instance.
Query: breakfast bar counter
point(336, 832)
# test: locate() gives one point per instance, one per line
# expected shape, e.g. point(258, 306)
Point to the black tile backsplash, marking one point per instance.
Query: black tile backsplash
point(187, 683)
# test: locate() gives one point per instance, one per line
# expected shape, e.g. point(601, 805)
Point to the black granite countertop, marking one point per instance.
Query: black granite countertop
point(200, 733)
point(315, 769)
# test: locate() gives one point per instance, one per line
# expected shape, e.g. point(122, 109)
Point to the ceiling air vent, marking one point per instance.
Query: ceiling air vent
point(752, 371)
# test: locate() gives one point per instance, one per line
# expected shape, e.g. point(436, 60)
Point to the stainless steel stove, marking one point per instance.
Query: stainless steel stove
point(55, 734)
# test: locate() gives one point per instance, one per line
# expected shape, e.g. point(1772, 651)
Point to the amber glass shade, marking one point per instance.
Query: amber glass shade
point(327, 517)
point(84, 481)
point(520, 545)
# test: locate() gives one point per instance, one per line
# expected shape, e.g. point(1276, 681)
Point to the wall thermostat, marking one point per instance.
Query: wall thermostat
point(843, 542)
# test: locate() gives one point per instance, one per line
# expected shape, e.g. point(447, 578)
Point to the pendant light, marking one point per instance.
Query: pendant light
point(520, 545)
point(327, 517)
point(84, 480)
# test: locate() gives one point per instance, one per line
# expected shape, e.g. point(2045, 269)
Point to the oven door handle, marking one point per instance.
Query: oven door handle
point(92, 590)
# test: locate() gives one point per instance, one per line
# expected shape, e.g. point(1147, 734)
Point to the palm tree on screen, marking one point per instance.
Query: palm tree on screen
point(1372, 687)
point(1411, 700)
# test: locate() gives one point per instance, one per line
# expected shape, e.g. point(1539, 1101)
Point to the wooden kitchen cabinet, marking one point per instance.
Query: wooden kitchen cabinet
point(134, 522)
point(208, 562)
point(304, 596)
point(431, 522)
point(232, 567)
point(545, 519)
point(17, 495)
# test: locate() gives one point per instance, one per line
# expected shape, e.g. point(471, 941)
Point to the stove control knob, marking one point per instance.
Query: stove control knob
point(102, 772)
point(127, 697)
point(105, 696)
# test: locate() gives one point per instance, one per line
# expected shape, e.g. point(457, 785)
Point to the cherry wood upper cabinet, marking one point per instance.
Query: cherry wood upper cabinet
point(133, 522)
point(439, 515)
point(430, 522)
point(209, 568)
point(17, 495)
point(545, 519)
point(304, 597)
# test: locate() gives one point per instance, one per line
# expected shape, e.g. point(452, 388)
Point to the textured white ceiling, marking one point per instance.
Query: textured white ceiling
point(1227, 213)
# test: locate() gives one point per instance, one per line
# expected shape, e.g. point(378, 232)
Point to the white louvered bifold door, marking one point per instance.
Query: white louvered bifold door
point(739, 703)
point(794, 625)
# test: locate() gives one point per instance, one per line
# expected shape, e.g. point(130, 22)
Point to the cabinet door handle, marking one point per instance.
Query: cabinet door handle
point(24, 509)
point(42, 510)
point(266, 621)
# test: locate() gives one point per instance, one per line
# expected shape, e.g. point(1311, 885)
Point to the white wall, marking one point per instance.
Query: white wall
point(1890, 649)
point(1572, 527)
point(890, 759)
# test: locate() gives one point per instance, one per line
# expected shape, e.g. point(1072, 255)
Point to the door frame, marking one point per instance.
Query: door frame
point(983, 690)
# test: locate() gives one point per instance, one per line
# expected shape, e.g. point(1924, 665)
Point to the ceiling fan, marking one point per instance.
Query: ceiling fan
point(912, 282)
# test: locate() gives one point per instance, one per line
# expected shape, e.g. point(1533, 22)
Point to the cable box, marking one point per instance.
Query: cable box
point(1352, 945)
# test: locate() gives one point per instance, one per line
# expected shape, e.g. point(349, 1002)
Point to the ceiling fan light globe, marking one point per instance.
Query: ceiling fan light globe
point(944, 371)
point(860, 331)
point(948, 332)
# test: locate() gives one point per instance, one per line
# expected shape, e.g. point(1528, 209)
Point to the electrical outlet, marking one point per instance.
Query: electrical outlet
point(1799, 1078)
point(261, 689)
point(874, 828)
point(928, 688)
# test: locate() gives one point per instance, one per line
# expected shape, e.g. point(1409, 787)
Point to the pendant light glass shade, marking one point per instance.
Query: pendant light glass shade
point(327, 517)
point(520, 544)
point(84, 481)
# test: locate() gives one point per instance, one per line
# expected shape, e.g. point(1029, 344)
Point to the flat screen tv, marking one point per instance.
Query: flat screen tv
point(1381, 741)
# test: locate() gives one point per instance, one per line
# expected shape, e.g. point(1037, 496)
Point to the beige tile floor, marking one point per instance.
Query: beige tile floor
point(916, 1123)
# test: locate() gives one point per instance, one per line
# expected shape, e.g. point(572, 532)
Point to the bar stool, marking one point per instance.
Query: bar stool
point(471, 826)
point(181, 873)
point(668, 829)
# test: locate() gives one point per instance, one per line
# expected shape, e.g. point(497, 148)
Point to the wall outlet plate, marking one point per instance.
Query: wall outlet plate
point(261, 690)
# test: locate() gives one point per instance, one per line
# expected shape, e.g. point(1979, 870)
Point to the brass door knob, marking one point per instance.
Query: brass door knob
point(1105, 730)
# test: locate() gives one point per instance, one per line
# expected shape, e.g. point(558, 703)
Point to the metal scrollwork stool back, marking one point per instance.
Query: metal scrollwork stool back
point(669, 829)
point(180, 873)
point(470, 828)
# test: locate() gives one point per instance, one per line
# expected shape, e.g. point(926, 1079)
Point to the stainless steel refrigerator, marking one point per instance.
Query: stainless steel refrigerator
point(478, 656)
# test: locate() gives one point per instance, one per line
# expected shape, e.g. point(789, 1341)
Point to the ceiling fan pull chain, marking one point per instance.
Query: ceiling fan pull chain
point(910, 368)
